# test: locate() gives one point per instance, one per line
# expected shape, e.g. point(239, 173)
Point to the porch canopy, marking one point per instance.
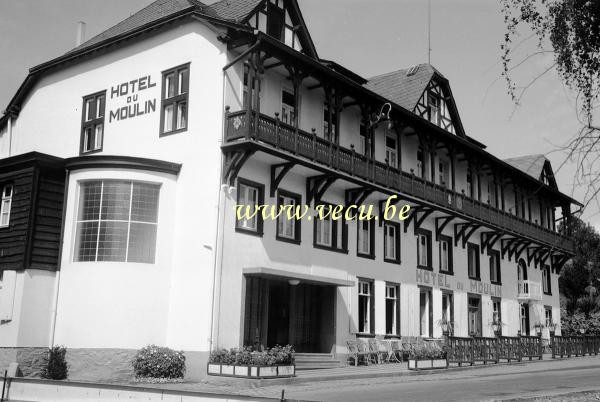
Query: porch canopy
point(273, 273)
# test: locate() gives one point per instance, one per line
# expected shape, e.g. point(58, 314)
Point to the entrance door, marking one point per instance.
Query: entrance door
point(277, 313)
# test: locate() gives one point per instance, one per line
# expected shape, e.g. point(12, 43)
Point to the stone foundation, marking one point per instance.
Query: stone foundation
point(97, 365)
point(30, 360)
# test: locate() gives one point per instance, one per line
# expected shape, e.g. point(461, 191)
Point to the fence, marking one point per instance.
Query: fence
point(574, 345)
point(479, 349)
point(485, 350)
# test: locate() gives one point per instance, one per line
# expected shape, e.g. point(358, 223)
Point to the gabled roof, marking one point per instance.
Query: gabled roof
point(533, 165)
point(235, 10)
point(401, 87)
point(153, 12)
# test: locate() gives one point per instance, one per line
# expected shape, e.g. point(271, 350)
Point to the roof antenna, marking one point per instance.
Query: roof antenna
point(429, 32)
point(80, 33)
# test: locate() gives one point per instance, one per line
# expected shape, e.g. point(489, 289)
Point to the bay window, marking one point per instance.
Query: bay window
point(117, 221)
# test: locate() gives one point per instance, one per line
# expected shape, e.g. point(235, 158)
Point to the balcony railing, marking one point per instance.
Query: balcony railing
point(529, 290)
point(326, 153)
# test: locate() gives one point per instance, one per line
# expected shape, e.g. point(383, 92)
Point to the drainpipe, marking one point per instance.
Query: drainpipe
point(58, 268)
point(219, 239)
point(10, 130)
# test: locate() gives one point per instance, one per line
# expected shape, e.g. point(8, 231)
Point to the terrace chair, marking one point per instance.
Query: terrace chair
point(374, 348)
point(383, 350)
point(364, 349)
point(392, 349)
point(397, 349)
point(355, 353)
point(407, 346)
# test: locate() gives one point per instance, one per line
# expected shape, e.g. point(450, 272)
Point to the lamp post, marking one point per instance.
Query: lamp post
point(445, 330)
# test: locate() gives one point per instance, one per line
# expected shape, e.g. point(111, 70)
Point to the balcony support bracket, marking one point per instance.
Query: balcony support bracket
point(278, 172)
point(558, 261)
point(464, 231)
point(414, 217)
point(234, 161)
point(316, 186)
point(440, 225)
point(520, 248)
point(505, 246)
point(532, 254)
point(488, 239)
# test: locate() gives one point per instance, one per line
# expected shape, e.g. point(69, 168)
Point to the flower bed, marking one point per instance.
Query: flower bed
point(276, 362)
point(426, 356)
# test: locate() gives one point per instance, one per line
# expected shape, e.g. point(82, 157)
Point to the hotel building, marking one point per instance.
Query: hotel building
point(123, 160)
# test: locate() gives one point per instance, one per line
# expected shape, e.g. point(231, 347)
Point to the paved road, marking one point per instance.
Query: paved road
point(489, 383)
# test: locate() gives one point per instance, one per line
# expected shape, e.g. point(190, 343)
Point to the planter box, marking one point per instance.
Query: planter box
point(251, 371)
point(427, 364)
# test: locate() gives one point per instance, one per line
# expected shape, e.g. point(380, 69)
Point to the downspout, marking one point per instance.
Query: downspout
point(10, 129)
point(60, 253)
point(219, 237)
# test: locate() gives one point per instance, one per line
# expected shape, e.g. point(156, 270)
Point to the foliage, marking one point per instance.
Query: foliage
point(277, 355)
point(571, 325)
point(55, 364)
point(159, 362)
point(575, 276)
point(427, 350)
point(569, 31)
point(572, 29)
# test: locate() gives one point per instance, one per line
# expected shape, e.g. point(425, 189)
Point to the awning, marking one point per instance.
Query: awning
point(305, 278)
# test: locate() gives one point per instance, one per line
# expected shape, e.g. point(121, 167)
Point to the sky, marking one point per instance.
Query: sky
point(369, 37)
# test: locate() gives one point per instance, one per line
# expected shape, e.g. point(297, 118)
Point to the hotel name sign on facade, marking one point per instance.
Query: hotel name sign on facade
point(425, 277)
point(130, 91)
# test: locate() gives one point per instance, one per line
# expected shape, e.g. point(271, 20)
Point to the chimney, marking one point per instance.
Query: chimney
point(80, 33)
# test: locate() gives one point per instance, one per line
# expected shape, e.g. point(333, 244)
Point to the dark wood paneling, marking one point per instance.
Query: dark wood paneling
point(47, 226)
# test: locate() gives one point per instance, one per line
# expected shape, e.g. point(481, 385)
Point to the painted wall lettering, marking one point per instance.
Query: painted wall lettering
point(130, 91)
point(444, 281)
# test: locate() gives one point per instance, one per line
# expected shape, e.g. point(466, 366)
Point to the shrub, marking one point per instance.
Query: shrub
point(55, 364)
point(277, 355)
point(159, 362)
point(427, 350)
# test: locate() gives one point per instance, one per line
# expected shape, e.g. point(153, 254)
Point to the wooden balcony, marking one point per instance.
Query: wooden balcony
point(529, 290)
point(263, 129)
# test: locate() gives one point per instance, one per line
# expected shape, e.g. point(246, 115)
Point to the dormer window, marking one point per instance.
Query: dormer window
point(434, 109)
point(275, 21)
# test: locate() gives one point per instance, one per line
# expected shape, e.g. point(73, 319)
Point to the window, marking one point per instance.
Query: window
point(250, 195)
point(444, 173)
point(392, 323)
point(391, 243)
point(473, 260)
point(497, 313)
point(420, 163)
point(470, 188)
point(7, 194)
point(288, 229)
point(424, 249)
point(366, 238)
point(446, 254)
point(328, 233)
point(275, 21)
point(495, 267)
point(425, 312)
point(391, 150)
point(365, 307)
point(474, 314)
point(548, 316)
point(254, 84)
point(524, 318)
point(288, 106)
point(327, 133)
point(448, 307)
point(434, 109)
point(174, 105)
point(546, 280)
point(364, 141)
point(117, 221)
point(92, 126)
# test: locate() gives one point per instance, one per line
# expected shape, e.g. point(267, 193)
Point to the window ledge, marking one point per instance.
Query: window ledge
point(397, 262)
point(287, 240)
point(328, 248)
point(167, 133)
point(426, 268)
point(368, 256)
point(249, 232)
point(451, 273)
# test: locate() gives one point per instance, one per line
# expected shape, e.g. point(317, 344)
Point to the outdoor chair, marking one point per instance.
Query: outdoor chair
point(363, 347)
point(383, 351)
point(374, 348)
point(391, 353)
point(397, 349)
point(355, 353)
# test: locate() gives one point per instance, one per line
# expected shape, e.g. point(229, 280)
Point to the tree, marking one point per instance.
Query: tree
point(575, 277)
point(570, 31)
